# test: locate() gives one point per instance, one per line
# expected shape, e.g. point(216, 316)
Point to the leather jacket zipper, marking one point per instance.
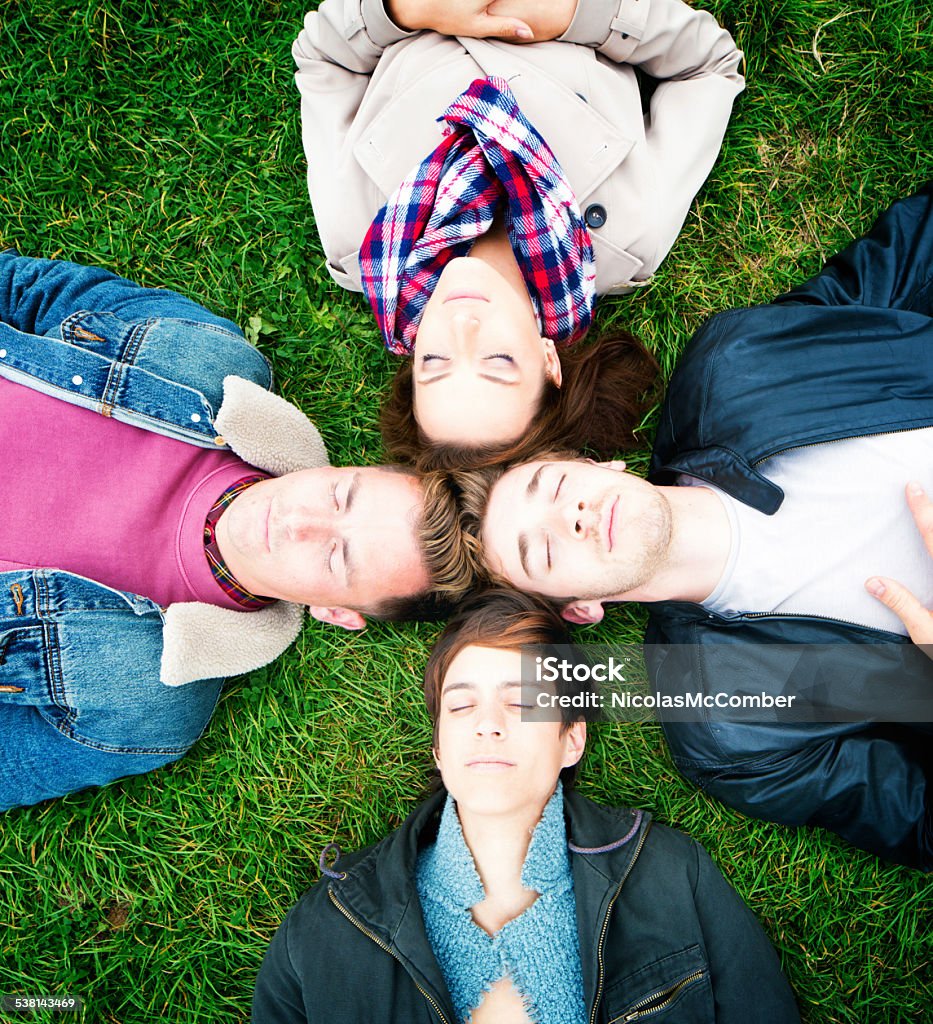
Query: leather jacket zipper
point(833, 440)
point(818, 618)
point(658, 1001)
point(382, 945)
point(602, 933)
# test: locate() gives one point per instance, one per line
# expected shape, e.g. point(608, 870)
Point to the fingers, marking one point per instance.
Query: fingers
point(917, 620)
point(507, 28)
point(921, 509)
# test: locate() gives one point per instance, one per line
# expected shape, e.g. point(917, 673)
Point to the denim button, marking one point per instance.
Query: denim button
point(2, 353)
point(195, 417)
point(595, 215)
point(77, 379)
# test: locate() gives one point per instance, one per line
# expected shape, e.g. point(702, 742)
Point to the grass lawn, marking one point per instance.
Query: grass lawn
point(162, 141)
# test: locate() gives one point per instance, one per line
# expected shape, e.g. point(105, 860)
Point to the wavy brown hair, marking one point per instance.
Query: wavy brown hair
point(609, 384)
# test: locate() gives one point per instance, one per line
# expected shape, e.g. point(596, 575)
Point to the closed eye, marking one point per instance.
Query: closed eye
point(501, 355)
point(429, 356)
point(560, 483)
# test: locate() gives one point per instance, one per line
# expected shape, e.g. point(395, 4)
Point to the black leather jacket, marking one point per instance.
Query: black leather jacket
point(659, 929)
point(848, 353)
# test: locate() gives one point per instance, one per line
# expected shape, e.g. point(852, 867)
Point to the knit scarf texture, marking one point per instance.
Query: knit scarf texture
point(491, 158)
point(539, 950)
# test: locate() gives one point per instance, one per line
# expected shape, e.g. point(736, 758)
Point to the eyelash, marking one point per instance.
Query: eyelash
point(560, 483)
point(425, 358)
point(333, 494)
point(501, 355)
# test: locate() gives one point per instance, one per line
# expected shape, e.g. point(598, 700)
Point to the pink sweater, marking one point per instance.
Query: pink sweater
point(90, 495)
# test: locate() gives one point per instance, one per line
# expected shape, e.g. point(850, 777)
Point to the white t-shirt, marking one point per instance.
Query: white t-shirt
point(844, 518)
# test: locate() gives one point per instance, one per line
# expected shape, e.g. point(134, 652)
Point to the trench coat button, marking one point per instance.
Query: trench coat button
point(218, 440)
point(595, 215)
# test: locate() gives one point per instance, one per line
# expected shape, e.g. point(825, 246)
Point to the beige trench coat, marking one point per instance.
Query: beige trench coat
point(371, 93)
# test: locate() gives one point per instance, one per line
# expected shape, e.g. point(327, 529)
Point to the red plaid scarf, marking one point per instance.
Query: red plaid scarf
point(224, 578)
point(491, 156)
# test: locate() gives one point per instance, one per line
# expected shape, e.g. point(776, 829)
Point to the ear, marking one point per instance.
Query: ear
point(346, 618)
point(617, 464)
point(552, 368)
point(583, 613)
point(574, 743)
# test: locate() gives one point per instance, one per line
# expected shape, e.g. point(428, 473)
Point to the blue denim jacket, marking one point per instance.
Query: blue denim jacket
point(80, 698)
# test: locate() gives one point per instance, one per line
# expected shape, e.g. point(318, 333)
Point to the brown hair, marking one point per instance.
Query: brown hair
point(450, 555)
point(609, 384)
point(505, 620)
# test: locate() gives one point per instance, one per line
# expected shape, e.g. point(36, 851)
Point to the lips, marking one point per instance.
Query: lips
point(489, 763)
point(608, 524)
point(469, 296)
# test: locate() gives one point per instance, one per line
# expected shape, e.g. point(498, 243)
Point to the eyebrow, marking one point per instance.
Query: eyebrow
point(532, 489)
point(467, 685)
point(485, 376)
point(523, 553)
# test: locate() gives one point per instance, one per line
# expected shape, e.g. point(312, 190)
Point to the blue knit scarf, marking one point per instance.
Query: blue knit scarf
point(538, 950)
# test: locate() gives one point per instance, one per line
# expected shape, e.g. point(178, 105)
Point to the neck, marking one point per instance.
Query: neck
point(698, 551)
point(499, 847)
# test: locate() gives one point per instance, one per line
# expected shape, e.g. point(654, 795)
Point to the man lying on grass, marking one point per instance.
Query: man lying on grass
point(777, 502)
point(507, 897)
point(165, 518)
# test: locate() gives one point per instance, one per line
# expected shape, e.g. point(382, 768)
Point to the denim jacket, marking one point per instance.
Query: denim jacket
point(845, 354)
point(84, 663)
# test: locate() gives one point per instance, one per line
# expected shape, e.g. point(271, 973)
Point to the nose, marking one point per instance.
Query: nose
point(305, 524)
point(579, 520)
point(490, 722)
point(464, 329)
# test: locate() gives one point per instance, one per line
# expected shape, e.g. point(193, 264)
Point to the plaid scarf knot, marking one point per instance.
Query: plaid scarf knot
point(491, 157)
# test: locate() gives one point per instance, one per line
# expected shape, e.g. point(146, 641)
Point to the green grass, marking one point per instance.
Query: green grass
point(162, 141)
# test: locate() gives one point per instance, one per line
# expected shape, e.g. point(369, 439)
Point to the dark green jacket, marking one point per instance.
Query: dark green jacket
point(662, 934)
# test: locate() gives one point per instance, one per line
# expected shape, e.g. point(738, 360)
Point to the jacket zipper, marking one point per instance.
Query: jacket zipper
point(382, 945)
point(834, 440)
point(819, 618)
point(602, 934)
point(658, 1001)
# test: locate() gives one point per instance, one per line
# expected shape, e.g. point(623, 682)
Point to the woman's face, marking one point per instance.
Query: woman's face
point(480, 366)
point(491, 761)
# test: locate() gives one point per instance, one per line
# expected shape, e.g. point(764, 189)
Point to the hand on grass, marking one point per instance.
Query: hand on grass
point(894, 595)
point(520, 21)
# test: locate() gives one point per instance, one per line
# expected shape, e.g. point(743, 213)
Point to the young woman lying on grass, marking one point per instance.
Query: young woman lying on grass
point(554, 173)
point(508, 897)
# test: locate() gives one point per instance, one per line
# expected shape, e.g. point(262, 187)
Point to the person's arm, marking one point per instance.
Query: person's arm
point(745, 973)
point(697, 64)
point(869, 787)
point(889, 267)
point(278, 998)
point(36, 295)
